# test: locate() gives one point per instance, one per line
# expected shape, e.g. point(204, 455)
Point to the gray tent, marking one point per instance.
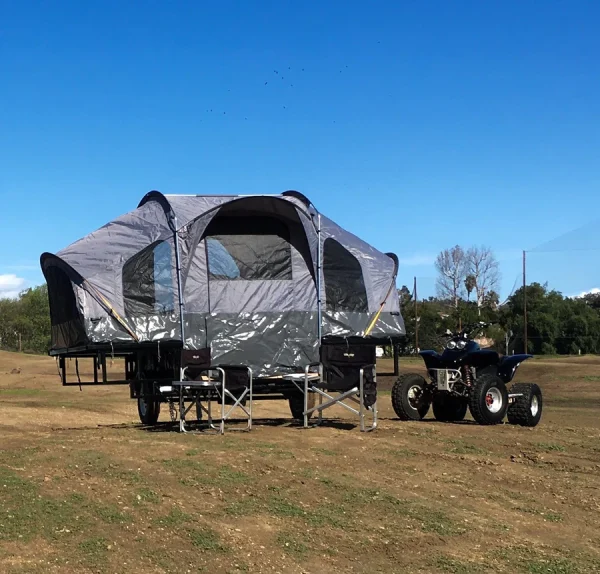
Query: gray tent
point(239, 275)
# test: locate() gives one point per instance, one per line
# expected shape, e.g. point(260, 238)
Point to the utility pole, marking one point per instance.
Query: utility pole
point(525, 303)
point(20, 344)
point(416, 318)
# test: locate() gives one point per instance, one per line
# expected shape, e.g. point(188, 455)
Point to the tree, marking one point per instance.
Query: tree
point(451, 266)
point(27, 317)
point(554, 323)
point(593, 300)
point(470, 284)
point(482, 266)
point(405, 297)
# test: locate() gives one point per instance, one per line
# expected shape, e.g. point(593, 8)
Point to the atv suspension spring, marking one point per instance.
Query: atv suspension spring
point(467, 375)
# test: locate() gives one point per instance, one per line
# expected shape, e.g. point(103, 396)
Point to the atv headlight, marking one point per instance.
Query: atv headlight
point(461, 345)
point(451, 345)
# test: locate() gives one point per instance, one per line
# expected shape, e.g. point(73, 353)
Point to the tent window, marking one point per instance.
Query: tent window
point(344, 282)
point(248, 248)
point(148, 281)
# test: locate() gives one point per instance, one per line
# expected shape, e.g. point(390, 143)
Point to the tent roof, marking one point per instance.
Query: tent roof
point(186, 208)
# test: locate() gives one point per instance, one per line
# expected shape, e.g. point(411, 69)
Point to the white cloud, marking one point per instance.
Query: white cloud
point(417, 260)
point(11, 285)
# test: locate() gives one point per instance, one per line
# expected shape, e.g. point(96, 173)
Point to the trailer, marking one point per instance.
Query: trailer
point(228, 299)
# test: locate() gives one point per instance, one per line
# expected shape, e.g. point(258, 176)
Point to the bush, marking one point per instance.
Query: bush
point(548, 349)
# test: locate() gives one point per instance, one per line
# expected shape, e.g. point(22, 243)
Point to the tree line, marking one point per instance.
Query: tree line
point(555, 324)
point(466, 293)
point(25, 321)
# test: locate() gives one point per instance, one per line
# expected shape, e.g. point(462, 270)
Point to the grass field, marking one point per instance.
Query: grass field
point(84, 488)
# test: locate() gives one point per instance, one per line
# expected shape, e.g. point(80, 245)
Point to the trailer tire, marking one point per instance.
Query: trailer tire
point(148, 408)
point(410, 397)
point(296, 402)
point(449, 408)
point(488, 400)
point(527, 409)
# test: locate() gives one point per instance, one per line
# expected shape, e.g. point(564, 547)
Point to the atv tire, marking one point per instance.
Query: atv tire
point(148, 408)
point(410, 397)
point(488, 400)
point(526, 409)
point(449, 408)
point(296, 402)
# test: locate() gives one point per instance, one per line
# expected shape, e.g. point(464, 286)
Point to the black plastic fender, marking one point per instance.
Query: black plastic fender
point(509, 364)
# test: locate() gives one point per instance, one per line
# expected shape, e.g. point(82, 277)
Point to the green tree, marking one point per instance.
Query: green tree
point(27, 316)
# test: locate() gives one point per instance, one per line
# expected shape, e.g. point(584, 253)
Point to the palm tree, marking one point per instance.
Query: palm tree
point(470, 284)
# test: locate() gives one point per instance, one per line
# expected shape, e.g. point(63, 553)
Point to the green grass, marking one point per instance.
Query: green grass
point(146, 495)
point(229, 475)
point(111, 514)
point(552, 566)
point(463, 447)
point(280, 507)
point(174, 519)
point(243, 507)
point(438, 522)
point(292, 544)
point(206, 540)
point(26, 514)
point(20, 392)
point(94, 550)
point(454, 566)
point(551, 447)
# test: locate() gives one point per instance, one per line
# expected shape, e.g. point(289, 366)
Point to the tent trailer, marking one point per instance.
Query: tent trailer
point(262, 290)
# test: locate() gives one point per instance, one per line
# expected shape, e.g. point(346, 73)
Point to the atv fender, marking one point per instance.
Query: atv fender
point(509, 364)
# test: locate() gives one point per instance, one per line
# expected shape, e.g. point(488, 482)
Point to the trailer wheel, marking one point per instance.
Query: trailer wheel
point(410, 398)
point(488, 400)
point(527, 409)
point(148, 408)
point(449, 408)
point(296, 402)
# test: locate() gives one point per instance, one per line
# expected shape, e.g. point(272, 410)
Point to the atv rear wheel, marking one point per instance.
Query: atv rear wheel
point(526, 409)
point(296, 402)
point(488, 400)
point(410, 397)
point(449, 408)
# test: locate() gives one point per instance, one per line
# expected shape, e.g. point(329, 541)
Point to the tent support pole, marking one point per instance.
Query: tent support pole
point(319, 266)
point(179, 288)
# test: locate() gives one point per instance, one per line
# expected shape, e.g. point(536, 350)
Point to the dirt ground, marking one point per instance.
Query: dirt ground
point(85, 488)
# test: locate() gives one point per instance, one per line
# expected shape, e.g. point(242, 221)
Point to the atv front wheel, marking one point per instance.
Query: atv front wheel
point(449, 408)
point(488, 400)
point(526, 410)
point(410, 397)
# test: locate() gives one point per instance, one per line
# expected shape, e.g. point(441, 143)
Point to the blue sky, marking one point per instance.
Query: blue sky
point(416, 125)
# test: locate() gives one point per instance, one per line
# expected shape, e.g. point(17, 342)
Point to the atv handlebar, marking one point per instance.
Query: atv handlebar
point(468, 330)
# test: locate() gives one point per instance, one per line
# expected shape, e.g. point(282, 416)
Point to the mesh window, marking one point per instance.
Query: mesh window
point(248, 248)
point(344, 283)
point(148, 281)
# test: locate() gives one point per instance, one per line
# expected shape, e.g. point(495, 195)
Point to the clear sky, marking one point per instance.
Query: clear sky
point(416, 125)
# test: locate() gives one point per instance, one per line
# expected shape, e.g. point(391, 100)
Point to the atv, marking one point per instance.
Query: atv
point(466, 376)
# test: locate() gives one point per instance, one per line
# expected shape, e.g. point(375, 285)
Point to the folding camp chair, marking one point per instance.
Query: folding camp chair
point(346, 373)
point(232, 386)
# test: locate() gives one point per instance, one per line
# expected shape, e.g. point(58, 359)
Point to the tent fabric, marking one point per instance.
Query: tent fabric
point(250, 269)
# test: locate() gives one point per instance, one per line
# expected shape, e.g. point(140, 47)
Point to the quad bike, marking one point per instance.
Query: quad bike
point(466, 376)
